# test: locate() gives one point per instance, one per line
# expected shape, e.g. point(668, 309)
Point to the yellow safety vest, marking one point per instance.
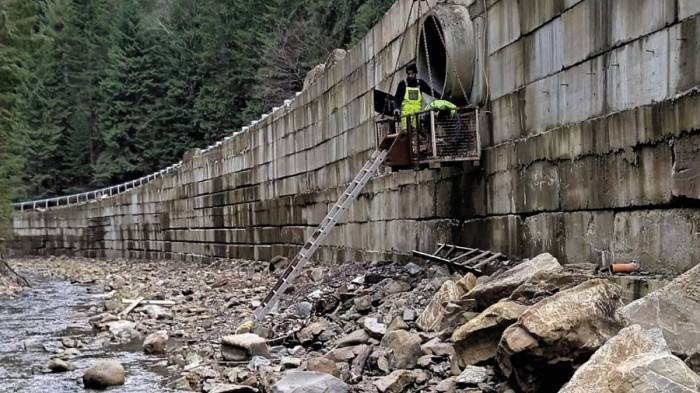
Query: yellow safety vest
point(412, 103)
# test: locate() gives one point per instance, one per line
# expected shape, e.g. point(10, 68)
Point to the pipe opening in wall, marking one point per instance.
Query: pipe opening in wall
point(436, 53)
point(448, 32)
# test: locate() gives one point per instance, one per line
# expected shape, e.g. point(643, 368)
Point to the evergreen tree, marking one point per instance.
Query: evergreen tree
point(99, 91)
point(132, 89)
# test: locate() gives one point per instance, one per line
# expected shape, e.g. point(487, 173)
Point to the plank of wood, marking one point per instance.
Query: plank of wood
point(130, 307)
point(151, 302)
point(358, 364)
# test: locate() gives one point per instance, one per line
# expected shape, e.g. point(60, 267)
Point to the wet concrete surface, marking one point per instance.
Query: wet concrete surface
point(31, 327)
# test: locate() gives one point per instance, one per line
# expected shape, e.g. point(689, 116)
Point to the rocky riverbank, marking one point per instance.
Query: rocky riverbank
point(380, 326)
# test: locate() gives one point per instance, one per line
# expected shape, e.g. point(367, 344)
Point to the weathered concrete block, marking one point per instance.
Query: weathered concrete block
point(506, 69)
point(635, 18)
point(662, 240)
point(688, 8)
point(535, 13)
point(638, 72)
point(538, 188)
point(501, 233)
point(686, 167)
point(543, 49)
point(684, 56)
point(587, 235)
point(544, 233)
point(504, 24)
point(586, 30)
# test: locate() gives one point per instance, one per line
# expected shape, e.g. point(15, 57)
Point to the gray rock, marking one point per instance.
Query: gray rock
point(634, 361)
point(354, 338)
point(396, 286)
point(413, 269)
point(363, 303)
point(322, 365)
point(121, 328)
point(675, 309)
point(539, 352)
point(103, 374)
point(57, 365)
point(405, 349)
point(397, 324)
point(374, 328)
point(242, 347)
point(409, 315)
point(69, 353)
point(258, 363)
point(294, 381)
point(396, 382)
point(473, 376)
point(228, 388)
point(182, 384)
point(157, 312)
point(156, 342)
point(290, 362)
point(302, 309)
point(502, 285)
point(310, 332)
point(68, 342)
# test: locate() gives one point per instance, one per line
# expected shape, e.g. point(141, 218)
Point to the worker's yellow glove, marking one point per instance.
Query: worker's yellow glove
point(246, 327)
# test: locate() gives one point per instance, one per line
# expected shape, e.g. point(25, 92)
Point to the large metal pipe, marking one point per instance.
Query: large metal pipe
point(449, 33)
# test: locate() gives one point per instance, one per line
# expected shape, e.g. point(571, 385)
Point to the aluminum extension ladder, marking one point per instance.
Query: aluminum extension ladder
point(311, 245)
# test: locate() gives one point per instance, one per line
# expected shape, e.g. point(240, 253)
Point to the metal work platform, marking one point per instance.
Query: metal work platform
point(432, 138)
point(468, 259)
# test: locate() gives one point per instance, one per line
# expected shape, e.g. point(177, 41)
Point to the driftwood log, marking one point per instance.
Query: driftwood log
point(9, 277)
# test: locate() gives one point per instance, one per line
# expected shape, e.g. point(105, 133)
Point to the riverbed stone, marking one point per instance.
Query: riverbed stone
point(242, 347)
point(295, 381)
point(355, 338)
point(58, 365)
point(155, 343)
point(103, 374)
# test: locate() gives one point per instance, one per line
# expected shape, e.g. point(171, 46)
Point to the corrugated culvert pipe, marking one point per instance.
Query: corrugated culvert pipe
point(449, 33)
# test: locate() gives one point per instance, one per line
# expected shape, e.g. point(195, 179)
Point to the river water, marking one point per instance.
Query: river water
point(31, 327)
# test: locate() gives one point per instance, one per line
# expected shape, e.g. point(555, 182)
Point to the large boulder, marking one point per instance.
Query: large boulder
point(540, 352)
point(477, 340)
point(103, 374)
point(431, 319)
point(309, 382)
point(405, 348)
point(634, 361)
point(675, 309)
point(242, 347)
point(544, 284)
point(502, 285)
point(156, 342)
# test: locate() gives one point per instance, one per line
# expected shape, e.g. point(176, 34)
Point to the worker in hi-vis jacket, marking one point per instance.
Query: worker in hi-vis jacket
point(409, 96)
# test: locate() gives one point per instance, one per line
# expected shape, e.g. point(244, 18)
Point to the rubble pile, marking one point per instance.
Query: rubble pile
point(537, 326)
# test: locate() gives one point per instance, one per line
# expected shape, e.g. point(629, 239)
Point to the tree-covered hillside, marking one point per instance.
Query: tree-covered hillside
point(94, 92)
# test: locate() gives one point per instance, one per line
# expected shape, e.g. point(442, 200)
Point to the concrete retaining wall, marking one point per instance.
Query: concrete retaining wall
point(593, 148)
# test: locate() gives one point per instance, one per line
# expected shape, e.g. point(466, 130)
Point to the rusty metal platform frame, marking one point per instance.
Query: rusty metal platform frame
point(434, 137)
point(468, 259)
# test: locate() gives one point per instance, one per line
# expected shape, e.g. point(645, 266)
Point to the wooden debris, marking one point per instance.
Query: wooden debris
point(132, 306)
